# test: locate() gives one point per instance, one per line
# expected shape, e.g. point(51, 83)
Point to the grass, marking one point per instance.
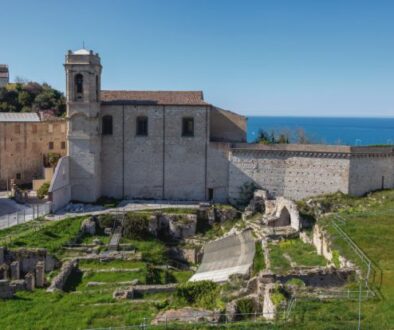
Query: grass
point(369, 221)
point(300, 253)
point(53, 236)
point(258, 261)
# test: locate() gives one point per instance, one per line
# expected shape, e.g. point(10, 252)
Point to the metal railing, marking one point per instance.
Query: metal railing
point(364, 259)
point(30, 212)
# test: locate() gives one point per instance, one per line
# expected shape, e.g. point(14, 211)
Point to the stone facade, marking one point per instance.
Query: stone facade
point(24, 145)
point(108, 155)
point(300, 171)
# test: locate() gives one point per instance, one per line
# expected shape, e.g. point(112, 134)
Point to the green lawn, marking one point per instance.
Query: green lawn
point(372, 229)
point(300, 253)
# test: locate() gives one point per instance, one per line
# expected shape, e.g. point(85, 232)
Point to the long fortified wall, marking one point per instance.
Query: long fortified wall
point(300, 171)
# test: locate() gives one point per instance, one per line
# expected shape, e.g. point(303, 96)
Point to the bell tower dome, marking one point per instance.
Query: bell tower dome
point(83, 84)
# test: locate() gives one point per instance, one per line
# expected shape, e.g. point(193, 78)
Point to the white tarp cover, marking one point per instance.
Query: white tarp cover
point(230, 255)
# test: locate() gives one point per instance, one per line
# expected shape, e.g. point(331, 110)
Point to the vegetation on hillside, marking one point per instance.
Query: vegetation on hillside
point(284, 136)
point(31, 97)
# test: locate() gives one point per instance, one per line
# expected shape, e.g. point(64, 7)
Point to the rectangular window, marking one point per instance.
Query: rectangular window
point(63, 145)
point(50, 145)
point(18, 176)
point(188, 127)
point(142, 126)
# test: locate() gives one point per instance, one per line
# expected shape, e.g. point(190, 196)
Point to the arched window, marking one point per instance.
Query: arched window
point(78, 85)
point(107, 125)
point(142, 126)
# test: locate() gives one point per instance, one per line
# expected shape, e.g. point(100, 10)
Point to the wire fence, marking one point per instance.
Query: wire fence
point(30, 212)
point(200, 321)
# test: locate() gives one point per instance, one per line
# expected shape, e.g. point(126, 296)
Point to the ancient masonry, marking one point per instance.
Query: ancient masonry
point(176, 146)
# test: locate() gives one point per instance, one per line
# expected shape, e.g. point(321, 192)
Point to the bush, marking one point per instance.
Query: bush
point(53, 158)
point(43, 190)
point(200, 294)
point(136, 226)
point(245, 306)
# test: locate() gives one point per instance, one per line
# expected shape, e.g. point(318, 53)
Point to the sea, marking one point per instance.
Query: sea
point(327, 130)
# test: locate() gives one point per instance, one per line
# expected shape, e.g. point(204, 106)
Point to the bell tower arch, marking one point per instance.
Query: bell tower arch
point(83, 85)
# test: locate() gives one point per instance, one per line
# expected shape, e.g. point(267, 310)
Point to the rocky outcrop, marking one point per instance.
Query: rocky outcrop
point(257, 203)
point(88, 226)
point(60, 280)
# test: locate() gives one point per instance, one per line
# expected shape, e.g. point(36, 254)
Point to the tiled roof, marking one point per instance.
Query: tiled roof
point(26, 117)
point(153, 97)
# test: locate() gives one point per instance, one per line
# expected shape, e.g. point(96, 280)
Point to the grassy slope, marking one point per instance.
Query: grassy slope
point(370, 223)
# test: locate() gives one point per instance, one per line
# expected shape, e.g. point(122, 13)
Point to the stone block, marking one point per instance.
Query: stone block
point(18, 285)
point(6, 291)
point(15, 270)
point(40, 274)
point(30, 282)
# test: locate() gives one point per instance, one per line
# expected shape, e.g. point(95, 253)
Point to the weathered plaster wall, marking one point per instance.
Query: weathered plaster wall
point(23, 145)
point(60, 188)
point(218, 170)
point(370, 172)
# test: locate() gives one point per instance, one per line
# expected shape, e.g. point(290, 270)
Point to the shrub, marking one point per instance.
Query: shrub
point(245, 194)
point(245, 306)
point(335, 258)
point(136, 226)
point(53, 158)
point(43, 190)
point(296, 282)
point(201, 294)
point(153, 275)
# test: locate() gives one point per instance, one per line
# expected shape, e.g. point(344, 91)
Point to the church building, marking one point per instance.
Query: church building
point(144, 144)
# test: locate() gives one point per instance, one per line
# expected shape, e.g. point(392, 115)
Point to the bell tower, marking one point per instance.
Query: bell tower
point(83, 85)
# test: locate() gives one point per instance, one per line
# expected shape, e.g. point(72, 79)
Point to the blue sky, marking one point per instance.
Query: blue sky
point(294, 57)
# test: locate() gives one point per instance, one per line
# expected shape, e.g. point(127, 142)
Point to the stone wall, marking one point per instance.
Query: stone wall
point(60, 188)
point(60, 280)
point(23, 146)
point(370, 171)
point(300, 171)
point(162, 165)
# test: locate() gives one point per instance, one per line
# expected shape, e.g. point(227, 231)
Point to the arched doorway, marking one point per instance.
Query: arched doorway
point(284, 218)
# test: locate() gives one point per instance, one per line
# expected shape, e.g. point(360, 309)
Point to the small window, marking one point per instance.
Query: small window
point(188, 127)
point(63, 145)
point(142, 126)
point(50, 145)
point(78, 85)
point(107, 125)
point(18, 176)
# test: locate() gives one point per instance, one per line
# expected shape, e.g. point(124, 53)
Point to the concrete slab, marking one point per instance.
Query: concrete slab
point(230, 255)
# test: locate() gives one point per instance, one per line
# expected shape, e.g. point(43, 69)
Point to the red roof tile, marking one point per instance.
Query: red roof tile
point(153, 97)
